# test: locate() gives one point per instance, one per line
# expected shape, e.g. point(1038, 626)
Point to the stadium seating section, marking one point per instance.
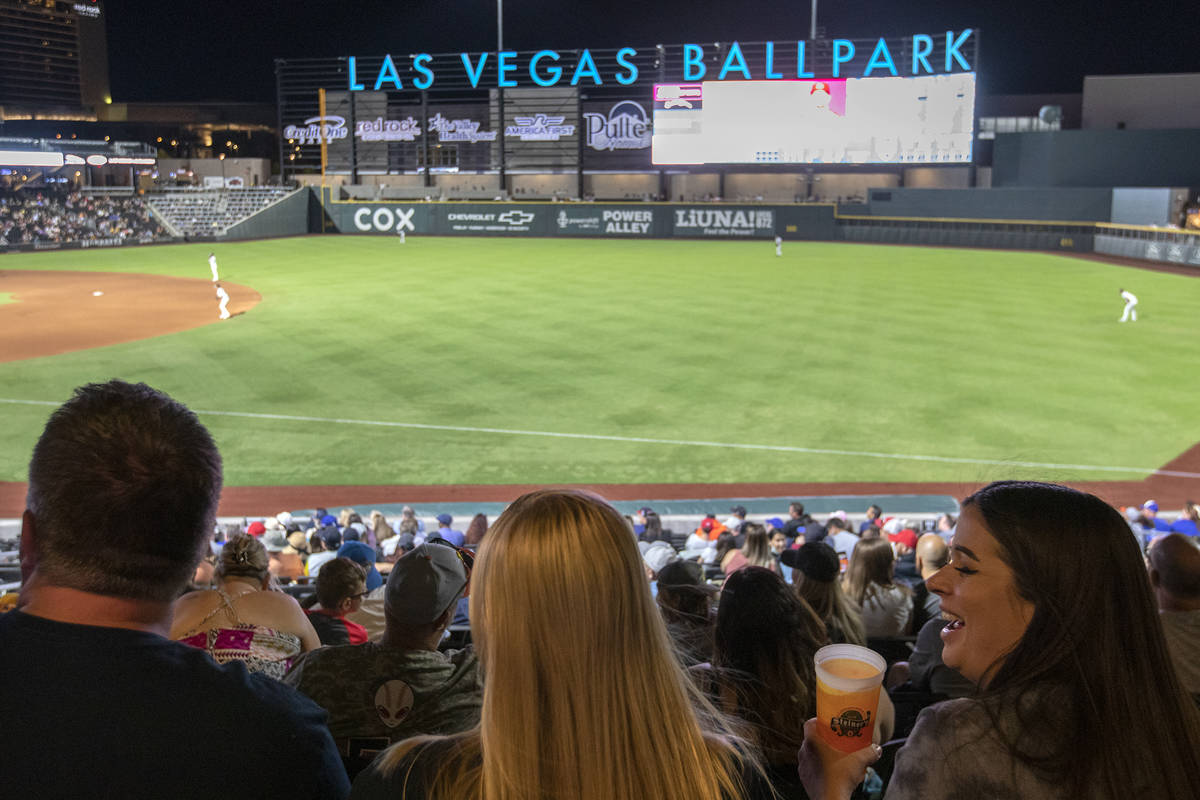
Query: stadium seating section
point(31, 215)
point(211, 213)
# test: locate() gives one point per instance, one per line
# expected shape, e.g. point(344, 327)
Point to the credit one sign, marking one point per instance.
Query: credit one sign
point(920, 54)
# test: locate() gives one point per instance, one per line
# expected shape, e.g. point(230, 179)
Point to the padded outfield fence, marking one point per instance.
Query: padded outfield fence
point(330, 210)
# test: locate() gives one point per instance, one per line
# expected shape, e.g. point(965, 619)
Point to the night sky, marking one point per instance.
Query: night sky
point(225, 49)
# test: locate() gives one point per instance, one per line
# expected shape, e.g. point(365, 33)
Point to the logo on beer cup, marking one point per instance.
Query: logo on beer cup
point(850, 722)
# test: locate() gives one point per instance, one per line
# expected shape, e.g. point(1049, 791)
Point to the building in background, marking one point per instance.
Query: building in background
point(53, 60)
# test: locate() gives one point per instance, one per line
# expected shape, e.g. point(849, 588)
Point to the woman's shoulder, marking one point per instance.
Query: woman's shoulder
point(956, 749)
point(268, 600)
point(409, 777)
point(195, 603)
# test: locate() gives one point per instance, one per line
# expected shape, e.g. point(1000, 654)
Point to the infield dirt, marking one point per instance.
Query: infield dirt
point(59, 312)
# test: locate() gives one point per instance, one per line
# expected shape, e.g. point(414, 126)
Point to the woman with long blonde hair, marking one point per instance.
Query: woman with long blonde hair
point(583, 697)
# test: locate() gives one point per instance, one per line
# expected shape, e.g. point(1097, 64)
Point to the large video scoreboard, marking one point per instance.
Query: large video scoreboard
point(923, 120)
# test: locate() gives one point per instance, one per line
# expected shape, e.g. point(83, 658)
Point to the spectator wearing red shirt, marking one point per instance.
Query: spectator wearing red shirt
point(341, 585)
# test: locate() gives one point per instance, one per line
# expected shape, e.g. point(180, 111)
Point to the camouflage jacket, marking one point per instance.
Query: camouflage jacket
point(373, 691)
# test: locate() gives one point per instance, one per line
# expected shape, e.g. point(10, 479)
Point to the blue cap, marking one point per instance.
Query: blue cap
point(445, 519)
point(364, 554)
point(328, 519)
point(776, 523)
point(1150, 504)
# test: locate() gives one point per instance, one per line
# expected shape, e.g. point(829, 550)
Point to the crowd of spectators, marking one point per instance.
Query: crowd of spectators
point(45, 215)
point(610, 658)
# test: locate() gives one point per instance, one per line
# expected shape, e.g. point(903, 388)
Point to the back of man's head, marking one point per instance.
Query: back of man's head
point(932, 554)
point(1175, 568)
point(421, 588)
point(123, 488)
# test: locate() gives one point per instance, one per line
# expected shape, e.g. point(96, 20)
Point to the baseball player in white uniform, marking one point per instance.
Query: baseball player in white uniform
point(1130, 306)
point(223, 299)
point(778, 245)
point(212, 263)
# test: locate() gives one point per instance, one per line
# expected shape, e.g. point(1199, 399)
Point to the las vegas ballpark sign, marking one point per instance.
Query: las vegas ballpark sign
point(903, 56)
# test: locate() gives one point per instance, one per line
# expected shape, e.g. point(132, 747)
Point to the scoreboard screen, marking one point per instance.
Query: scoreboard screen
point(923, 120)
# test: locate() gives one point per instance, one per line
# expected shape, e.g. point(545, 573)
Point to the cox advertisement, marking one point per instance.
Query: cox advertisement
point(597, 220)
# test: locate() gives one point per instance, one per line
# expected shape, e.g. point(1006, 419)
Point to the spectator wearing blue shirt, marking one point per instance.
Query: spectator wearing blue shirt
point(1185, 524)
point(444, 530)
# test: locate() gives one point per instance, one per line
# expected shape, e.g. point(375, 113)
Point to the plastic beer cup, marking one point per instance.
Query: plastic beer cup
point(848, 681)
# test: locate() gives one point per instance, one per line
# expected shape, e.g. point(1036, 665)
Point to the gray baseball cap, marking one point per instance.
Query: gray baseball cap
point(424, 583)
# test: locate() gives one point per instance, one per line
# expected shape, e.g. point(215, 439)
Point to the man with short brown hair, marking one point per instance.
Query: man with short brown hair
point(1173, 562)
point(123, 488)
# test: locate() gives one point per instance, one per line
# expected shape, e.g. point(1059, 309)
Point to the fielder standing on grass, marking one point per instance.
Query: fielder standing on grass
point(778, 245)
point(1130, 306)
point(212, 263)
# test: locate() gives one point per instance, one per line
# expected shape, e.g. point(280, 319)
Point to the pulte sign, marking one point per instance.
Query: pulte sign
point(920, 54)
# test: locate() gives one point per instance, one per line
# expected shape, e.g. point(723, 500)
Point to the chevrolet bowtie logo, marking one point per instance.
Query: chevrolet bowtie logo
point(515, 217)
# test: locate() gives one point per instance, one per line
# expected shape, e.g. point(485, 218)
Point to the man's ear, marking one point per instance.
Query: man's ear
point(345, 604)
point(28, 550)
point(1155, 580)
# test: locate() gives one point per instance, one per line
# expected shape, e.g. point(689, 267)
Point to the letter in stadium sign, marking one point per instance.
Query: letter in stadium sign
point(554, 73)
point(693, 62)
point(771, 74)
point(623, 55)
point(801, 72)
point(586, 66)
point(625, 128)
point(419, 62)
point(882, 57)
point(355, 86)
point(503, 68)
point(843, 53)
point(734, 62)
point(360, 219)
point(388, 74)
point(473, 74)
point(952, 46)
point(922, 47)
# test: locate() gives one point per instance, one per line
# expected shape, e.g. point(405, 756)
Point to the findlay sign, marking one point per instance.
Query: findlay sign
point(908, 56)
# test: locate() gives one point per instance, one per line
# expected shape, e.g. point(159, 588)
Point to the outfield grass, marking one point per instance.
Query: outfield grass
point(1007, 357)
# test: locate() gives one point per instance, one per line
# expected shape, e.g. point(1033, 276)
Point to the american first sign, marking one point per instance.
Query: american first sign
point(919, 54)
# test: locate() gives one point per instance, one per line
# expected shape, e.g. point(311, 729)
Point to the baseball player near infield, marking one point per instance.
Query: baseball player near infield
point(212, 263)
point(223, 300)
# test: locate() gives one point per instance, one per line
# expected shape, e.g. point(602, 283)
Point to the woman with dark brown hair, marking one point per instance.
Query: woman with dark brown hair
point(475, 531)
point(886, 606)
point(762, 670)
point(1077, 694)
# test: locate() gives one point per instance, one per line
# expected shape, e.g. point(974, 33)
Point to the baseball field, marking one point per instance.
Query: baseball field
point(359, 360)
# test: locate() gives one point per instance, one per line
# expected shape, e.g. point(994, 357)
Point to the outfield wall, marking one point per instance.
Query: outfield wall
point(1168, 247)
point(1047, 204)
point(600, 220)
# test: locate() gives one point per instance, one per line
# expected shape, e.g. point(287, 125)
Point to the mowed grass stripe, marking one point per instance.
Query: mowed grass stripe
point(972, 354)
